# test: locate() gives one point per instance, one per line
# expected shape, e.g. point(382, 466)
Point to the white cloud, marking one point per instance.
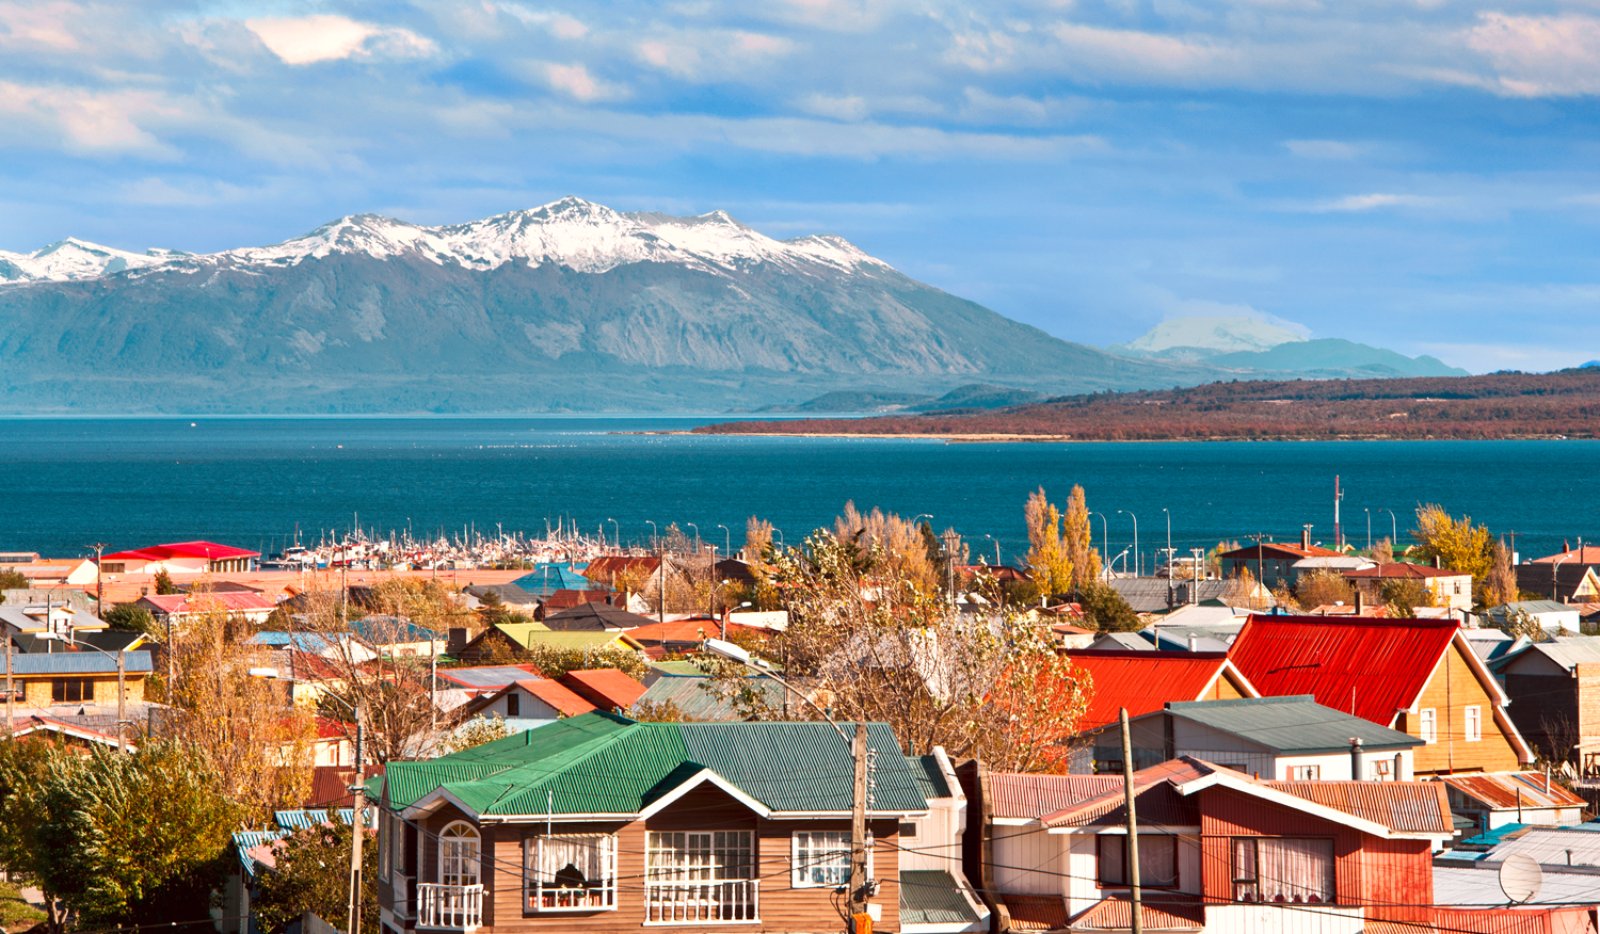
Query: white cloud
point(850, 108)
point(323, 37)
point(1323, 148)
point(1132, 54)
point(576, 82)
point(561, 25)
point(713, 54)
point(1351, 204)
point(83, 120)
point(1540, 56)
point(35, 25)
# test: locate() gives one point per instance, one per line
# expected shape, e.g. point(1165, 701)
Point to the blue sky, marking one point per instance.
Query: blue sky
point(1421, 175)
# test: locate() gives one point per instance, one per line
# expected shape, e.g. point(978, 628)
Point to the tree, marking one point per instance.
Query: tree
point(476, 732)
point(24, 767)
point(135, 838)
point(905, 552)
point(1323, 588)
point(1048, 562)
point(1501, 585)
point(1077, 539)
point(1455, 543)
point(1402, 596)
point(757, 539)
point(164, 583)
point(13, 580)
point(311, 872)
point(1383, 551)
point(1105, 609)
point(131, 617)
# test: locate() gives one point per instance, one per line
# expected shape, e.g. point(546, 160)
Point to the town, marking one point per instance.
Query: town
point(875, 729)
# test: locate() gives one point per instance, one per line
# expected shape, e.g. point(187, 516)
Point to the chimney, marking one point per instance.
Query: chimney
point(1358, 600)
point(1355, 758)
point(1436, 563)
point(1305, 538)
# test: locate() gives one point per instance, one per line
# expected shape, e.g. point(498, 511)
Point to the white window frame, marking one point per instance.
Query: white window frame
point(1428, 725)
point(1472, 720)
point(1305, 773)
point(602, 897)
point(452, 844)
point(809, 848)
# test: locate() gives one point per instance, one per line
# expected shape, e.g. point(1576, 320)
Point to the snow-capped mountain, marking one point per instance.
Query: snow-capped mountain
point(1217, 333)
point(572, 233)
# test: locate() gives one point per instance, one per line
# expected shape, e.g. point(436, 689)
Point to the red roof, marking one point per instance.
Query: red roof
point(1143, 681)
point(1280, 550)
point(1408, 807)
point(606, 688)
point(1370, 668)
point(211, 551)
point(567, 599)
point(1401, 570)
point(557, 695)
point(1155, 797)
point(228, 601)
point(684, 631)
point(1586, 554)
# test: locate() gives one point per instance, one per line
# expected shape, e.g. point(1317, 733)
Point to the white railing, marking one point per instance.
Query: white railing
point(602, 897)
point(400, 892)
point(449, 907)
point(732, 901)
point(1272, 918)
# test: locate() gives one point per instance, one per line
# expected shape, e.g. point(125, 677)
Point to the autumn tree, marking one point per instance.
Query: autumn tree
point(1501, 586)
point(1403, 595)
point(1077, 539)
point(1455, 543)
point(1048, 562)
point(239, 722)
point(869, 638)
point(1382, 551)
point(757, 539)
point(903, 551)
point(311, 873)
point(1323, 588)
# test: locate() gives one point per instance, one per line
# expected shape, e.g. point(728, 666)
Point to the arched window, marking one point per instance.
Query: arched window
point(460, 854)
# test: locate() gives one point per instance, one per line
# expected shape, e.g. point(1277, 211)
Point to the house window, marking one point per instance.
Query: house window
point(71, 690)
point(1428, 725)
point(1305, 773)
point(908, 831)
point(1158, 860)
point(1283, 870)
point(1380, 769)
point(822, 859)
point(460, 854)
point(1474, 723)
point(694, 877)
point(571, 872)
point(513, 704)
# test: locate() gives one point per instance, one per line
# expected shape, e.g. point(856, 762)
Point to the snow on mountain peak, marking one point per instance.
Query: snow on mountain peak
point(570, 231)
point(1220, 333)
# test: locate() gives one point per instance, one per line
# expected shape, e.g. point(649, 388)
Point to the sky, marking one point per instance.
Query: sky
point(1416, 174)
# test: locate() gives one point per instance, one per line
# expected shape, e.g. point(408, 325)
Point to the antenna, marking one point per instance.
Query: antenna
point(1520, 878)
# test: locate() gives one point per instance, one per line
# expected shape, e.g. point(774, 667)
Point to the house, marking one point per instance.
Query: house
point(1548, 615)
point(518, 640)
point(398, 637)
point(935, 893)
point(681, 636)
point(600, 823)
point(341, 647)
point(1447, 588)
point(484, 679)
point(1554, 687)
point(1494, 800)
point(42, 617)
point(60, 572)
point(605, 688)
point(546, 579)
point(180, 558)
point(1148, 595)
point(1418, 676)
point(594, 617)
point(1281, 738)
point(181, 607)
point(44, 680)
point(255, 853)
point(606, 569)
point(694, 697)
point(1144, 681)
point(508, 596)
point(1570, 576)
point(1219, 851)
point(1272, 564)
point(530, 702)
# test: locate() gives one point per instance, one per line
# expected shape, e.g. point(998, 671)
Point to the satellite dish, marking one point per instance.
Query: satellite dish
point(1520, 877)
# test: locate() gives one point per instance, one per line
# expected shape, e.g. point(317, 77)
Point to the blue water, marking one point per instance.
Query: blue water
point(128, 482)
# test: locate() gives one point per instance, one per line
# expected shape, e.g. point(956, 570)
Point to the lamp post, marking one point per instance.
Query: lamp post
point(652, 524)
point(778, 533)
point(616, 531)
point(1138, 559)
point(1394, 529)
point(1368, 511)
point(727, 540)
point(1169, 544)
point(696, 534)
point(858, 751)
point(1105, 538)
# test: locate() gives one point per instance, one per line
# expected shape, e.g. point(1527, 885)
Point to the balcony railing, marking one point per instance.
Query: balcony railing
point(732, 901)
point(400, 892)
point(449, 907)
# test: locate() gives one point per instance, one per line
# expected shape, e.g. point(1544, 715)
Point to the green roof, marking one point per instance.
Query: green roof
point(930, 780)
point(694, 697)
point(605, 764)
point(1294, 723)
point(529, 635)
point(931, 896)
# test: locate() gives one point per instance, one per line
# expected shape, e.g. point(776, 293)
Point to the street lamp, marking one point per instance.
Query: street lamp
point(1394, 529)
point(1138, 559)
point(727, 540)
point(778, 533)
point(616, 531)
point(652, 524)
point(1169, 546)
point(1105, 537)
point(858, 752)
point(1368, 511)
point(696, 534)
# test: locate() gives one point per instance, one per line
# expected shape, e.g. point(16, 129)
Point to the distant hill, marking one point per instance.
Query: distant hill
point(1202, 335)
point(1332, 358)
point(1499, 405)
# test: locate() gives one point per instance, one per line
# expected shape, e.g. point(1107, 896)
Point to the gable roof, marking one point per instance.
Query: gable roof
point(1401, 570)
point(75, 663)
point(487, 677)
point(687, 631)
point(602, 764)
point(227, 601)
point(546, 579)
point(1290, 724)
point(1143, 681)
point(1371, 668)
point(1507, 790)
point(211, 551)
point(605, 688)
point(594, 617)
point(1384, 809)
point(391, 630)
point(1278, 551)
point(565, 701)
point(694, 697)
point(1586, 554)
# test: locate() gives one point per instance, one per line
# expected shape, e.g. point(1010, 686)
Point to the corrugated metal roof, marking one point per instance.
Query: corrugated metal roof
point(1142, 681)
point(1368, 667)
point(1155, 798)
point(1407, 807)
point(932, 896)
point(693, 697)
point(1553, 846)
point(1292, 724)
point(1035, 912)
point(1504, 790)
point(555, 694)
point(1568, 652)
point(606, 688)
point(246, 843)
point(1155, 914)
point(488, 677)
point(930, 778)
point(1031, 797)
point(76, 663)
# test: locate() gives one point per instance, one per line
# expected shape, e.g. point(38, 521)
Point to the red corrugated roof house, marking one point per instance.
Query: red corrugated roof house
point(178, 558)
point(606, 688)
point(1144, 681)
point(1415, 675)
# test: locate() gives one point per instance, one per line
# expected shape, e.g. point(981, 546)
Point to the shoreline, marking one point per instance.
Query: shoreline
point(1023, 438)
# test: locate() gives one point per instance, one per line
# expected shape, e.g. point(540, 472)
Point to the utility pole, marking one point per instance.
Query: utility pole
point(858, 830)
point(359, 789)
point(99, 587)
point(1131, 851)
point(1198, 553)
point(11, 698)
point(1338, 530)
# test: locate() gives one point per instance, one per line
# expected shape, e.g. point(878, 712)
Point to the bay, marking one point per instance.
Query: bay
point(250, 481)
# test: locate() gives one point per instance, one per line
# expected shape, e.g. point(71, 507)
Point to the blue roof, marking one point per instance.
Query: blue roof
point(387, 630)
point(546, 579)
point(1493, 837)
point(304, 641)
point(300, 818)
point(80, 662)
point(246, 840)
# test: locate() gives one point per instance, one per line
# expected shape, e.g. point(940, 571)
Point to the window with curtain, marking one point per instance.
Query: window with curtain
point(822, 858)
point(1283, 869)
point(460, 850)
point(1158, 860)
point(571, 872)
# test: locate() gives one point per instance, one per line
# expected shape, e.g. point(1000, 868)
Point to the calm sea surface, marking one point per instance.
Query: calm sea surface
point(128, 482)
